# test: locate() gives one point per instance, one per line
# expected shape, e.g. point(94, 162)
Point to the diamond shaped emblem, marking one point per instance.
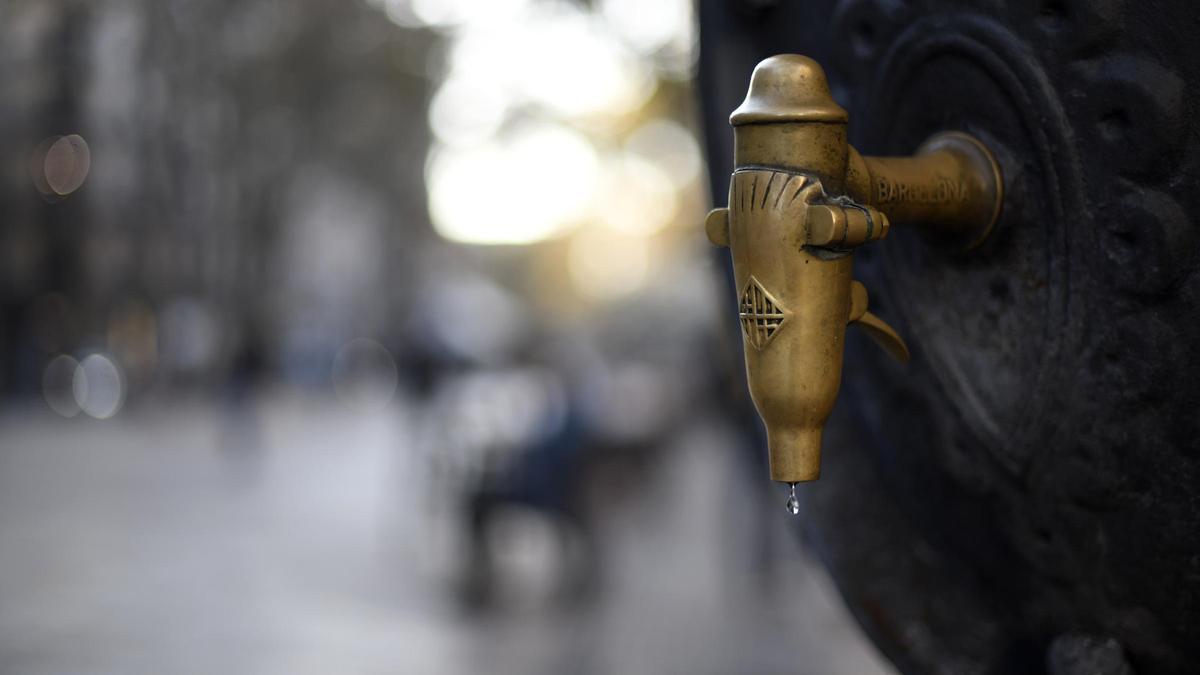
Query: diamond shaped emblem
point(761, 314)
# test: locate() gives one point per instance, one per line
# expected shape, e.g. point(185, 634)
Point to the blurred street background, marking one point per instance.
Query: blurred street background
point(374, 336)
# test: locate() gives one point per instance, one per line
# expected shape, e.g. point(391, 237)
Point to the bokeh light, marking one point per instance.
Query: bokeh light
point(60, 165)
point(589, 73)
point(467, 110)
point(669, 145)
point(98, 386)
point(364, 375)
point(607, 265)
point(635, 196)
point(57, 385)
point(531, 186)
point(650, 27)
point(448, 14)
point(527, 141)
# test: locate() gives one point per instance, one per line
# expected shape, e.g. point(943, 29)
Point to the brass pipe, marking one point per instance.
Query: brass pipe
point(951, 187)
point(801, 200)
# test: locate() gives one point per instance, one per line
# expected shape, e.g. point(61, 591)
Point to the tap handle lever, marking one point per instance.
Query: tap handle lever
point(879, 330)
point(716, 226)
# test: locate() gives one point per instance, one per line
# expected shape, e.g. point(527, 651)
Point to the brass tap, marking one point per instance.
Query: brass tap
point(801, 201)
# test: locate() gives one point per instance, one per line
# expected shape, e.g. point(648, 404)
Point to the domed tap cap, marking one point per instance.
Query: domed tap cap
point(788, 88)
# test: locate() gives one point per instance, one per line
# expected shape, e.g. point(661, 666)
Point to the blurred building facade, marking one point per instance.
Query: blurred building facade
point(254, 192)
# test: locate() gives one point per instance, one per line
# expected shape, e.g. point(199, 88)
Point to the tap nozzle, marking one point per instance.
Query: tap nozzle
point(801, 201)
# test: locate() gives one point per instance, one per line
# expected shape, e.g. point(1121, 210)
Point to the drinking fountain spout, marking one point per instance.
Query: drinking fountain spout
point(801, 201)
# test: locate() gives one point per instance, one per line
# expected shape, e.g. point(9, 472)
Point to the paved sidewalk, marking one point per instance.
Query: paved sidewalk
point(187, 539)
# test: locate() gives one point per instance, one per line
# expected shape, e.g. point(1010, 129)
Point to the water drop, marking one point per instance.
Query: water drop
point(793, 504)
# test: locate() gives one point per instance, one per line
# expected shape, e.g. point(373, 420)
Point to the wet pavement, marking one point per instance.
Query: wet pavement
point(297, 537)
